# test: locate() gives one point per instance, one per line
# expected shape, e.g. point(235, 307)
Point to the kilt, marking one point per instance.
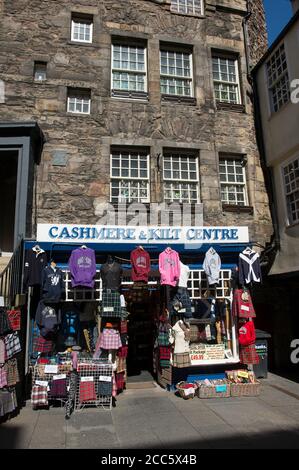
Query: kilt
point(42, 345)
point(87, 392)
point(12, 372)
point(12, 344)
point(123, 352)
point(39, 395)
point(248, 355)
point(14, 318)
point(181, 360)
point(58, 389)
point(110, 339)
point(111, 306)
point(105, 389)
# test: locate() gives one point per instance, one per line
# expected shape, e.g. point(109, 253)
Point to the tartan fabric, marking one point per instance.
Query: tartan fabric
point(12, 372)
point(43, 345)
point(87, 392)
point(3, 377)
point(181, 360)
point(242, 308)
point(248, 355)
point(123, 352)
point(163, 338)
point(2, 351)
point(8, 402)
point(164, 352)
point(5, 327)
point(39, 395)
point(58, 389)
point(165, 364)
point(123, 327)
point(111, 306)
point(110, 339)
point(198, 334)
point(121, 364)
point(14, 318)
point(105, 388)
point(120, 380)
point(12, 344)
point(70, 403)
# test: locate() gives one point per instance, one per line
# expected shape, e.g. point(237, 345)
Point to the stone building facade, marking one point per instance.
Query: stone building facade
point(72, 179)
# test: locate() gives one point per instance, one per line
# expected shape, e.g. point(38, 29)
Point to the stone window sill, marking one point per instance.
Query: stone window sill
point(133, 95)
point(238, 108)
point(78, 43)
point(238, 209)
point(179, 99)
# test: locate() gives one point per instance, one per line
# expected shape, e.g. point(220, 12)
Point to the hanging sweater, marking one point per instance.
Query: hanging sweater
point(249, 267)
point(212, 266)
point(247, 334)
point(141, 265)
point(48, 319)
point(35, 262)
point(82, 265)
point(169, 267)
point(53, 286)
point(184, 275)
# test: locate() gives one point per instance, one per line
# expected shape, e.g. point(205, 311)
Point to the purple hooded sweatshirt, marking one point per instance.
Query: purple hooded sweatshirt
point(82, 265)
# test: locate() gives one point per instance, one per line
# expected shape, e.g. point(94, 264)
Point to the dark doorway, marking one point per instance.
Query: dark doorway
point(8, 192)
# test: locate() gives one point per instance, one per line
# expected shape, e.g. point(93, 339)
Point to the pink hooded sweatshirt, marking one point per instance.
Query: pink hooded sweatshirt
point(169, 267)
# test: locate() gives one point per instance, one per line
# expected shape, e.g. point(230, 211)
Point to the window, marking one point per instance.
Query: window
point(82, 28)
point(291, 182)
point(233, 182)
point(129, 173)
point(129, 72)
point(176, 73)
point(78, 101)
point(187, 7)
point(40, 71)
point(180, 175)
point(278, 79)
point(226, 79)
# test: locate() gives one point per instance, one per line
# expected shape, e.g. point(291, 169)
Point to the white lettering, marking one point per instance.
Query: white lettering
point(295, 353)
point(295, 92)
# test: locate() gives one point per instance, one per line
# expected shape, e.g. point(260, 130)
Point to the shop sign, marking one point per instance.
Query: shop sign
point(206, 352)
point(139, 234)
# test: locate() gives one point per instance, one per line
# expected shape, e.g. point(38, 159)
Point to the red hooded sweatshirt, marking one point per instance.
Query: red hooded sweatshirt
point(141, 265)
point(247, 334)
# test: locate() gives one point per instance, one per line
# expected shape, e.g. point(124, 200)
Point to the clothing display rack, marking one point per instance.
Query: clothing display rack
point(95, 376)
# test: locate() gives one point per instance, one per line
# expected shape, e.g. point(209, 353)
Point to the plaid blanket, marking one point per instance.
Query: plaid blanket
point(12, 372)
point(39, 396)
point(12, 344)
point(43, 345)
point(111, 306)
point(110, 339)
point(58, 389)
point(87, 392)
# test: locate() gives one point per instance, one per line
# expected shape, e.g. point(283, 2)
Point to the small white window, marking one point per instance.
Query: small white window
point(233, 182)
point(129, 69)
point(78, 101)
point(82, 29)
point(40, 71)
point(291, 182)
point(129, 171)
point(180, 175)
point(278, 79)
point(226, 80)
point(187, 7)
point(176, 73)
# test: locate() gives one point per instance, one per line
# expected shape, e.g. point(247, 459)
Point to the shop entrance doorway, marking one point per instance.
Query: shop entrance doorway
point(8, 192)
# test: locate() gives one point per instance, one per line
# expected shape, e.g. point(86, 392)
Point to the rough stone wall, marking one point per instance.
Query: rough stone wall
point(257, 31)
point(71, 191)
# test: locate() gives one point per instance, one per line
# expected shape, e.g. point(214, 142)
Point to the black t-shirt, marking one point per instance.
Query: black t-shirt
point(111, 275)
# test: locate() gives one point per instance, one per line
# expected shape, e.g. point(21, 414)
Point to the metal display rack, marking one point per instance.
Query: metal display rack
point(39, 374)
point(96, 371)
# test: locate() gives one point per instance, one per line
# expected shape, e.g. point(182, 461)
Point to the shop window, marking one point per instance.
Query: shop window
point(278, 79)
point(40, 71)
point(176, 71)
point(129, 171)
point(291, 183)
point(187, 7)
point(180, 176)
point(129, 70)
point(226, 79)
point(82, 28)
point(78, 101)
point(233, 182)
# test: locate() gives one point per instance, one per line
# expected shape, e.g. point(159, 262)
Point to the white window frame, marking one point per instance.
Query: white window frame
point(172, 181)
point(225, 160)
point(129, 178)
point(178, 77)
point(175, 7)
point(290, 221)
point(73, 95)
point(129, 71)
point(236, 84)
point(274, 82)
point(76, 20)
point(38, 64)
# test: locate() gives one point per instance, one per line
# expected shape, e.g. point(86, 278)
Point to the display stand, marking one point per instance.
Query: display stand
point(97, 371)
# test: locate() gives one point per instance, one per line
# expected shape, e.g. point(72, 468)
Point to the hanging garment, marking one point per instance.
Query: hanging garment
point(111, 306)
point(120, 381)
point(14, 318)
point(110, 339)
point(111, 274)
point(39, 396)
point(123, 351)
point(181, 344)
point(43, 345)
point(248, 355)
point(184, 275)
point(212, 266)
point(82, 266)
point(141, 265)
point(3, 376)
point(12, 344)
point(247, 334)
point(12, 372)
point(182, 301)
point(48, 319)
point(35, 262)
point(52, 284)
point(8, 402)
point(5, 326)
point(249, 267)
point(169, 267)
point(242, 304)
